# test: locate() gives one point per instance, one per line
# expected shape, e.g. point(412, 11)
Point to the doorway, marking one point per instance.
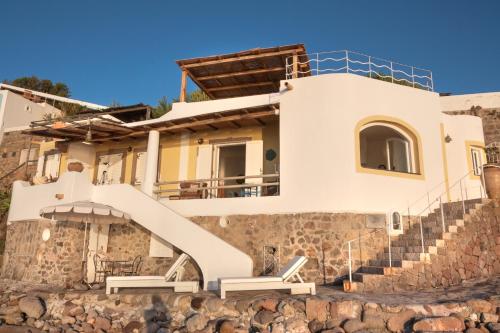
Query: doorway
point(231, 162)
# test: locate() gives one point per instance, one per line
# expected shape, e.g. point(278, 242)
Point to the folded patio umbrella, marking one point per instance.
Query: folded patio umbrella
point(85, 212)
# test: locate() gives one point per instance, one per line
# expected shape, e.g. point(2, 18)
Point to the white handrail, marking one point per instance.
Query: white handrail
point(359, 63)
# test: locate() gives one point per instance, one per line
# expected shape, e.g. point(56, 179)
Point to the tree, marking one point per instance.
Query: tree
point(164, 106)
point(42, 85)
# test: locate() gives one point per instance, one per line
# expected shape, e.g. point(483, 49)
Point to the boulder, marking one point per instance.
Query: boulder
point(317, 308)
point(196, 322)
point(278, 328)
point(353, 325)
point(315, 326)
point(488, 318)
point(214, 304)
point(133, 325)
point(32, 306)
point(102, 323)
point(479, 305)
point(270, 304)
point(398, 321)
point(334, 330)
point(374, 322)
point(439, 324)
point(345, 310)
point(286, 309)
point(473, 330)
point(296, 326)
point(226, 327)
point(264, 317)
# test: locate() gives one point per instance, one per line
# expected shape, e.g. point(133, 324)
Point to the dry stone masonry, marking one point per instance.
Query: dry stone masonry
point(33, 309)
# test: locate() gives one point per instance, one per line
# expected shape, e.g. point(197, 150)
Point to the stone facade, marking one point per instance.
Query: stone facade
point(491, 122)
point(58, 261)
point(321, 237)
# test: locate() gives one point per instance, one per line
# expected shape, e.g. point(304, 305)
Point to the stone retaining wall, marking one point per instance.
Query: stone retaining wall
point(321, 237)
point(491, 121)
point(268, 313)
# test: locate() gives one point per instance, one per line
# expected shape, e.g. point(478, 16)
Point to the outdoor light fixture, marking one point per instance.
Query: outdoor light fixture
point(288, 86)
point(200, 141)
point(447, 138)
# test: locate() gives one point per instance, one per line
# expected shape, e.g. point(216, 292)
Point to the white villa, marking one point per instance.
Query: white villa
point(286, 135)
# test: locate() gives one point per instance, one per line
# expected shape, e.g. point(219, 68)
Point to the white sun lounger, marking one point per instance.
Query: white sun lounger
point(172, 279)
point(287, 278)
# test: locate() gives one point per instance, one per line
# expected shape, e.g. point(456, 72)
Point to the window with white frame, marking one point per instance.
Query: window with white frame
point(476, 158)
point(387, 147)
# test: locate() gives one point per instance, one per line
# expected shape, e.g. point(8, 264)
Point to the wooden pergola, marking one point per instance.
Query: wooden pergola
point(102, 129)
point(251, 72)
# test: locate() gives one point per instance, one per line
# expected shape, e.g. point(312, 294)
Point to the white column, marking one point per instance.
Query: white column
point(151, 169)
point(157, 247)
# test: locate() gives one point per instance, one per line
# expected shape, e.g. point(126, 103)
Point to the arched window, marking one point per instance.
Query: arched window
point(388, 146)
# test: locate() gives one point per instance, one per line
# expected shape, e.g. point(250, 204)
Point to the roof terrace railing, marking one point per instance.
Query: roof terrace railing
point(357, 63)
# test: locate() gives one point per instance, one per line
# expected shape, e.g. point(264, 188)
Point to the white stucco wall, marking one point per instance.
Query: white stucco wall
point(465, 102)
point(317, 150)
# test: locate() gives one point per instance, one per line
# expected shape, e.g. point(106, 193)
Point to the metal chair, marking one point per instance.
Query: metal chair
point(133, 268)
point(101, 268)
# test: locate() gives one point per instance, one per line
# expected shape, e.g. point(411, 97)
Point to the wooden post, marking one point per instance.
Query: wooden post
point(295, 66)
point(182, 96)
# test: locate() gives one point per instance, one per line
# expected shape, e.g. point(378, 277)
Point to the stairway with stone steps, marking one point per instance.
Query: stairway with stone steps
point(407, 251)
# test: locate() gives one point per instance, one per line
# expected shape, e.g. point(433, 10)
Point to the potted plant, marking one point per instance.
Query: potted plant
point(492, 171)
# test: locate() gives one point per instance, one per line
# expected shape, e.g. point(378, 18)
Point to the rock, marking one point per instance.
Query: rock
point(286, 309)
point(397, 321)
point(133, 325)
point(163, 330)
point(473, 330)
point(197, 302)
point(450, 324)
point(317, 308)
point(226, 327)
point(479, 305)
point(493, 327)
point(296, 326)
point(334, 330)
point(264, 317)
point(270, 304)
point(353, 325)
point(345, 310)
point(196, 322)
point(315, 326)
point(32, 306)
point(39, 324)
point(374, 322)
point(470, 323)
point(214, 304)
point(488, 318)
point(242, 305)
point(278, 328)
point(81, 286)
point(102, 323)
point(15, 318)
point(87, 328)
point(68, 320)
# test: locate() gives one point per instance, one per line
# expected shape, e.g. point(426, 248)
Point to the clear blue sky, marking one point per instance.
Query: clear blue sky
point(125, 51)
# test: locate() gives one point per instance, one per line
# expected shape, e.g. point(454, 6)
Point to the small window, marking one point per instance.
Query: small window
point(476, 160)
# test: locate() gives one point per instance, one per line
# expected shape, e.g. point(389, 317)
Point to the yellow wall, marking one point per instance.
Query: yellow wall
point(170, 150)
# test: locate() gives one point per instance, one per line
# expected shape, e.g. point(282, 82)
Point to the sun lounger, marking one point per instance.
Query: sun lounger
point(287, 278)
point(172, 279)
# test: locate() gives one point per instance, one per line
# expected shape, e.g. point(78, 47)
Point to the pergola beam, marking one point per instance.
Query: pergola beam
point(240, 86)
point(242, 73)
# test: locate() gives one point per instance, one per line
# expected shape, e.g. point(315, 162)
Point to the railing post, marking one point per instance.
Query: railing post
point(462, 197)
point(412, 77)
point(442, 214)
point(392, 74)
point(429, 203)
point(421, 234)
point(389, 228)
point(350, 262)
point(370, 66)
point(317, 63)
point(347, 60)
point(432, 83)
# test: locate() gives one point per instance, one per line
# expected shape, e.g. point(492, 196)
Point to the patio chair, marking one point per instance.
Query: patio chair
point(133, 268)
point(172, 279)
point(287, 278)
point(101, 269)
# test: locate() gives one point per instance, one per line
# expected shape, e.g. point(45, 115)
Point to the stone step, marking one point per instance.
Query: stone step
point(405, 256)
point(394, 263)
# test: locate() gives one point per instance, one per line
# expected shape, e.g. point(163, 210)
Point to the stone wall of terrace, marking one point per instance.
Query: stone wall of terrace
point(491, 121)
point(321, 237)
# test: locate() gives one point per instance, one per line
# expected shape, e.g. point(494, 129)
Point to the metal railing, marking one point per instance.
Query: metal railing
point(210, 187)
point(436, 203)
point(345, 61)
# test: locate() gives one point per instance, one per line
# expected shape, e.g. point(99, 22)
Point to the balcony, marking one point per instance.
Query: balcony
point(361, 64)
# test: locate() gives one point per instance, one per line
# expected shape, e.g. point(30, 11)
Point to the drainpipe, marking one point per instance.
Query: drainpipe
point(151, 170)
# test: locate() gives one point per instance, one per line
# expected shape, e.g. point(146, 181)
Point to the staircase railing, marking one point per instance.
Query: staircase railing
point(460, 185)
